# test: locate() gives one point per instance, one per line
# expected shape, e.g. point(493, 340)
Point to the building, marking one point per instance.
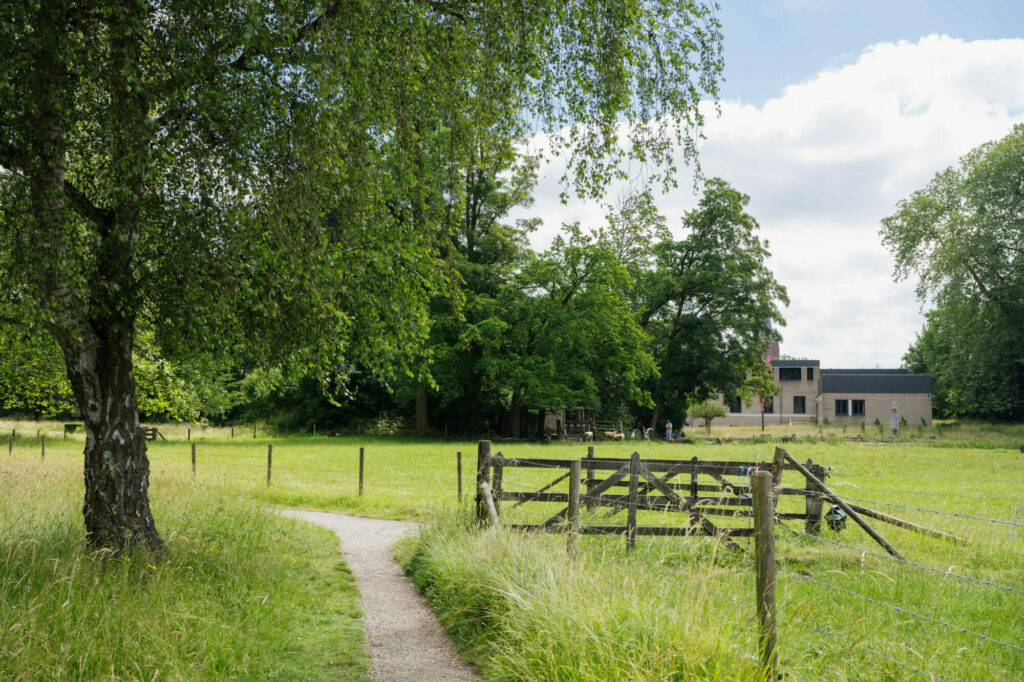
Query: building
point(850, 395)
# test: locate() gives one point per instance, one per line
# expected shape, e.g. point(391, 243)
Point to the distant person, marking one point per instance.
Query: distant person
point(668, 430)
point(643, 431)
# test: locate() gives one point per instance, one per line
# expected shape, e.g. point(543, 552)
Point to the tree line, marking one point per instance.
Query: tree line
point(620, 317)
point(963, 237)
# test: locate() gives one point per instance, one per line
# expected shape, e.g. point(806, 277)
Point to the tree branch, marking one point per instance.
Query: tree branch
point(84, 206)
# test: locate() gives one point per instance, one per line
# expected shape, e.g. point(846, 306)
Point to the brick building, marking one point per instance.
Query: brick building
point(850, 395)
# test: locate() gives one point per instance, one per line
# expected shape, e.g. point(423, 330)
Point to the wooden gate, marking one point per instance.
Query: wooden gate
point(713, 498)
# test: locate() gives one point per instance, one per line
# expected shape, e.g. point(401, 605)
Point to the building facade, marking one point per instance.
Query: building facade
point(841, 395)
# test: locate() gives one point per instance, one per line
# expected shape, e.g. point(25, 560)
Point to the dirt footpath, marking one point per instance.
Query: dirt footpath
point(403, 634)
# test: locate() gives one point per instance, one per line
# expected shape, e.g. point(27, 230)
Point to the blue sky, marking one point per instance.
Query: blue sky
point(772, 43)
point(832, 112)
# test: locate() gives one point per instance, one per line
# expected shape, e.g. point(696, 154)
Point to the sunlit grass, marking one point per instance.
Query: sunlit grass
point(241, 593)
point(524, 611)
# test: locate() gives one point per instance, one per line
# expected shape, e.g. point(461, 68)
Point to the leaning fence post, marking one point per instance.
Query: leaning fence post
point(193, 459)
point(574, 506)
point(42, 444)
point(270, 458)
point(590, 478)
point(812, 506)
point(361, 454)
point(483, 475)
point(499, 471)
point(634, 478)
point(764, 542)
point(458, 469)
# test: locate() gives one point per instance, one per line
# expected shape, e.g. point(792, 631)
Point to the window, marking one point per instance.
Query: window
point(849, 407)
point(737, 405)
point(789, 374)
point(810, 374)
point(769, 406)
point(799, 404)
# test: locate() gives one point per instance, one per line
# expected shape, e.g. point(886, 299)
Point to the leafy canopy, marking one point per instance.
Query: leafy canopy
point(963, 237)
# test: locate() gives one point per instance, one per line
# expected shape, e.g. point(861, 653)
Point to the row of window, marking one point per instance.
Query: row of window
point(799, 405)
point(794, 373)
point(850, 408)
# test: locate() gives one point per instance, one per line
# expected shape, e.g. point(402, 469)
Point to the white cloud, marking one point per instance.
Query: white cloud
point(830, 157)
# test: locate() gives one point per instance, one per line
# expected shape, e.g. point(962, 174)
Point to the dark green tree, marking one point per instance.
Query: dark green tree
point(265, 176)
point(963, 236)
point(709, 304)
point(562, 333)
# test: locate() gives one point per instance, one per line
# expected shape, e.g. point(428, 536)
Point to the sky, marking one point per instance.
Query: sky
point(832, 111)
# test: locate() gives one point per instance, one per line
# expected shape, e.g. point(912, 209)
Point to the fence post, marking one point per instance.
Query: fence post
point(590, 478)
point(232, 431)
point(193, 459)
point(42, 444)
point(764, 541)
point(458, 468)
point(634, 478)
point(483, 475)
point(574, 506)
point(253, 430)
point(499, 471)
point(314, 430)
point(812, 506)
point(270, 459)
point(189, 436)
point(361, 455)
point(10, 446)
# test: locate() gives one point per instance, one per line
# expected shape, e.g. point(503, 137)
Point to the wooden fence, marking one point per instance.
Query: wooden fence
point(707, 492)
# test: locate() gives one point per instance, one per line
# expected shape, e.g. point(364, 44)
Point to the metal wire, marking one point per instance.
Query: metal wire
point(948, 573)
point(868, 650)
point(902, 610)
point(938, 511)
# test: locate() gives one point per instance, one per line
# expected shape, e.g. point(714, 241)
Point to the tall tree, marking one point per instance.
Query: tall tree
point(710, 302)
point(265, 174)
point(562, 333)
point(963, 236)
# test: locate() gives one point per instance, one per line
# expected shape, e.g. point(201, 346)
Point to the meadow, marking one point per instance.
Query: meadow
point(517, 603)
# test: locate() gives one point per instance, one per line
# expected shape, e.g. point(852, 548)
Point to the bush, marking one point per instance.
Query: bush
point(708, 411)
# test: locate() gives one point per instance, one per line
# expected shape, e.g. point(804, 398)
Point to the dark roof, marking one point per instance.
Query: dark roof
point(796, 363)
point(875, 383)
point(863, 371)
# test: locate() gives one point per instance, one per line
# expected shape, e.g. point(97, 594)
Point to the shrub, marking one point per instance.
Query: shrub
point(708, 410)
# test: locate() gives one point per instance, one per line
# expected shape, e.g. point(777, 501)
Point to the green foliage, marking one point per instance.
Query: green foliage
point(708, 410)
point(562, 333)
point(961, 236)
point(708, 303)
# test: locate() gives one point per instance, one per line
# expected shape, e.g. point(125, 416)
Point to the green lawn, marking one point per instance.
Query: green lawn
point(673, 609)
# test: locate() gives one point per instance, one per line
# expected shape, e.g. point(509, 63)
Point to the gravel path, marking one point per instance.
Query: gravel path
point(402, 632)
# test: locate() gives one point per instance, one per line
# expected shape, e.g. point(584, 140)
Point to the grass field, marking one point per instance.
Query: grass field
point(673, 609)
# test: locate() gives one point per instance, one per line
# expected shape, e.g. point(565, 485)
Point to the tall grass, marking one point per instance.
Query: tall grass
point(522, 611)
point(673, 609)
point(241, 593)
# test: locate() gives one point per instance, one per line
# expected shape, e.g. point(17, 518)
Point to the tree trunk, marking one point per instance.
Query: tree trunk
point(659, 401)
point(422, 420)
point(116, 509)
